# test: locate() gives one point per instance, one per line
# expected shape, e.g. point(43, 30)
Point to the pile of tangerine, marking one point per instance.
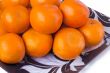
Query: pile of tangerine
point(37, 26)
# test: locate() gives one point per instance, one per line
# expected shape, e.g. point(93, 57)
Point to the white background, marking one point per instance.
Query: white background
point(101, 64)
point(100, 5)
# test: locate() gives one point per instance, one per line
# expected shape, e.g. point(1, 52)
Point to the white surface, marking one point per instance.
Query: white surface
point(100, 64)
point(99, 5)
point(2, 71)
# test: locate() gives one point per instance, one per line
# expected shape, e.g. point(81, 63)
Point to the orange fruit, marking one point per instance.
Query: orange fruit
point(68, 43)
point(93, 32)
point(2, 30)
point(0, 12)
point(29, 10)
point(12, 49)
point(15, 19)
point(37, 44)
point(46, 18)
point(6, 3)
point(75, 13)
point(37, 2)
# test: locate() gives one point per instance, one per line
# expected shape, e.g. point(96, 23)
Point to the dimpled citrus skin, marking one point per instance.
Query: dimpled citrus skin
point(93, 32)
point(37, 2)
point(68, 43)
point(2, 30)
point(15, 19)
point(12, 48)
point(6, 3)
point(75, 13)
point(46, 18)
point(37, 44)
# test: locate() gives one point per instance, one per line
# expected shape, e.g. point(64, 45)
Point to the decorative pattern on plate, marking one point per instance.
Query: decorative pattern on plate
point(51, 64)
